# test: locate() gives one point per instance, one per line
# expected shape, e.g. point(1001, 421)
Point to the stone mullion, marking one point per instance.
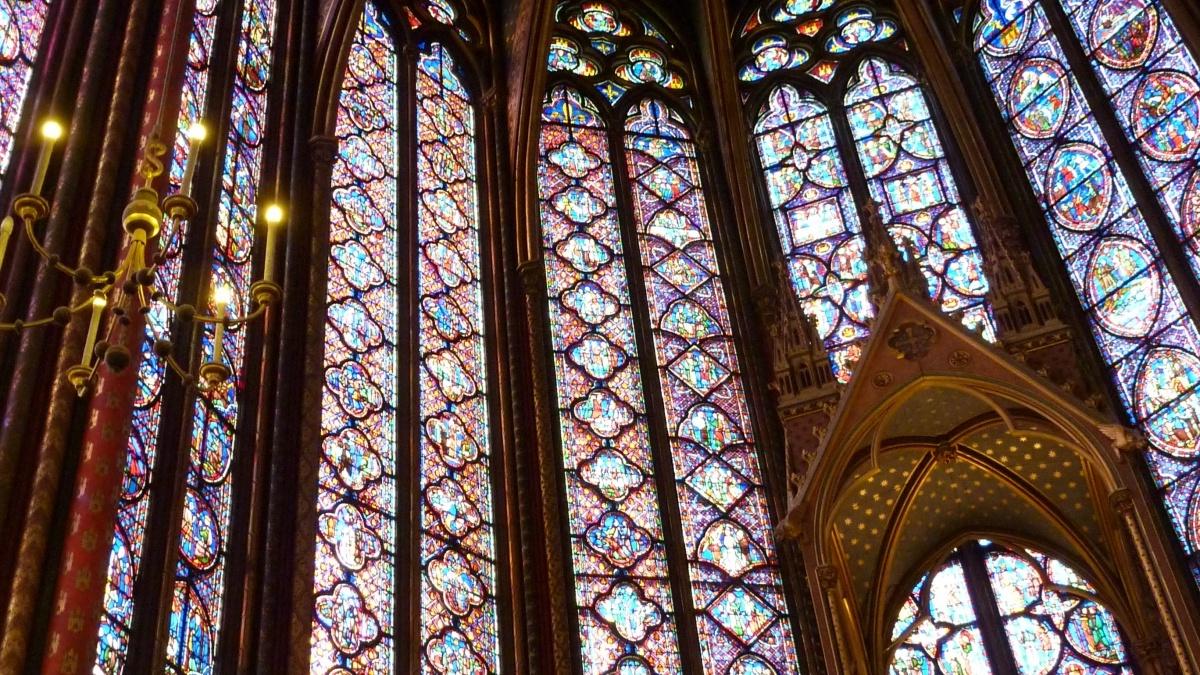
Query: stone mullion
point(951, 96)
point(280, 563)
point(322, 153)
point(679, 566)
point(559, 587)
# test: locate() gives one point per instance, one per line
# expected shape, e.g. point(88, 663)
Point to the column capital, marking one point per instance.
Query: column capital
point(1121, 500)
point(323, 149)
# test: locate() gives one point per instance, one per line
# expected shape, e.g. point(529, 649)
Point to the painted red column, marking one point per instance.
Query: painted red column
point(79, 596)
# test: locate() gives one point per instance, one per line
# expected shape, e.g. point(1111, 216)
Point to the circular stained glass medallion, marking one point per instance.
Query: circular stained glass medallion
point(1079, 186)
point(1004, 30)
point(1166, 115)
point(1089, 633)
point(1167, 402)
point(1123, 32)
point(1040, 96)
point(1124, 286)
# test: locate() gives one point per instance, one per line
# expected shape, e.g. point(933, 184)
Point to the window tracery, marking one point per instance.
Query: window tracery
point(670, 289)
point(197, 599)
point(1050, 619)
point(1141, 76)
point(356, 526)
point(357, 546)
point(843, 125)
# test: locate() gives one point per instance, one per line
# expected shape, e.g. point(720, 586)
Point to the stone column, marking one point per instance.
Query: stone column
point(79, 598)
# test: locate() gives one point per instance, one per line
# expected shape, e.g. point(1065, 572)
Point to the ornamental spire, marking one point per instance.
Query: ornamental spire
point(888, 268)
point(1020, 301)
point(800, 359)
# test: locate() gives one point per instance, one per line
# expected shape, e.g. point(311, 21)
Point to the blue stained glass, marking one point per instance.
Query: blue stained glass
point(458, 556)
point(937, 630)
point(612, 502)
point(816, 219)
point(1136, 312)
point(197, 602)
point(22, 23)
point(908, 175)
point(1051, 620)
point(736, 587)
point(1151, 78)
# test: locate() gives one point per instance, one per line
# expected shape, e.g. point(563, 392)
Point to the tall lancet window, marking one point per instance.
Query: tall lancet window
point(841, 124)
point(674, 561)
point(22, 24)
point(370, 358)
point(197, 601)
point(1100, 100)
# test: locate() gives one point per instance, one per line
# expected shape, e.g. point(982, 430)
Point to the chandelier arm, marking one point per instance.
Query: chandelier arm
point(259, 310)
point(54, 260)
point(45, 321)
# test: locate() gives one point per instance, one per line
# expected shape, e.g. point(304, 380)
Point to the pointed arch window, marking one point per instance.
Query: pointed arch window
point(22, 29)
point(840, 124)
point(197, 601)
point(369, 359)
point(672, 549)
point(988, 608)
point(1100, 102)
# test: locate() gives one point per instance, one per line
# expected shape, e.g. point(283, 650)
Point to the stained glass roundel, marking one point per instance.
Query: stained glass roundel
point(1123, 32)
point(1124, 285)
point(1039, 99)
point(1079, 186)
point(1004, 27)
point(1168, 400)
point(1166, 115)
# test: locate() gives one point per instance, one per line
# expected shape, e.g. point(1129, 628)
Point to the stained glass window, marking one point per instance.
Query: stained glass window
point(816, 219)
point(888, 133)
point(908, 176)
point(1048, 614)
point(457, 550)
point(742, 618)
point(142, 449)
point(356, 545)
point(1135, 309)
point(356, 503)
point(622, 587)
point(197, 600)
point(1151, 78)
point(937, 625)
point(22, 23)
point(629, 615)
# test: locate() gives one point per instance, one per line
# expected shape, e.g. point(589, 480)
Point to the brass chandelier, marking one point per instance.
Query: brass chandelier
point(131, 285)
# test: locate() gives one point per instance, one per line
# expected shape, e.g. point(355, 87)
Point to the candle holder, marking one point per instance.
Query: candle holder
point(131, 287)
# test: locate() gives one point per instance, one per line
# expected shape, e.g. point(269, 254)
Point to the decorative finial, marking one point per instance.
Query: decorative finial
point(887, 266)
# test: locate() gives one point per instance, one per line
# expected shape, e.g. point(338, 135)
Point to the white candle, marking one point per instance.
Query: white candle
point(51, 132)
point(196, 134)
point(6, 228)
point(223, 295)
point(273, 216)
point(89, 345)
